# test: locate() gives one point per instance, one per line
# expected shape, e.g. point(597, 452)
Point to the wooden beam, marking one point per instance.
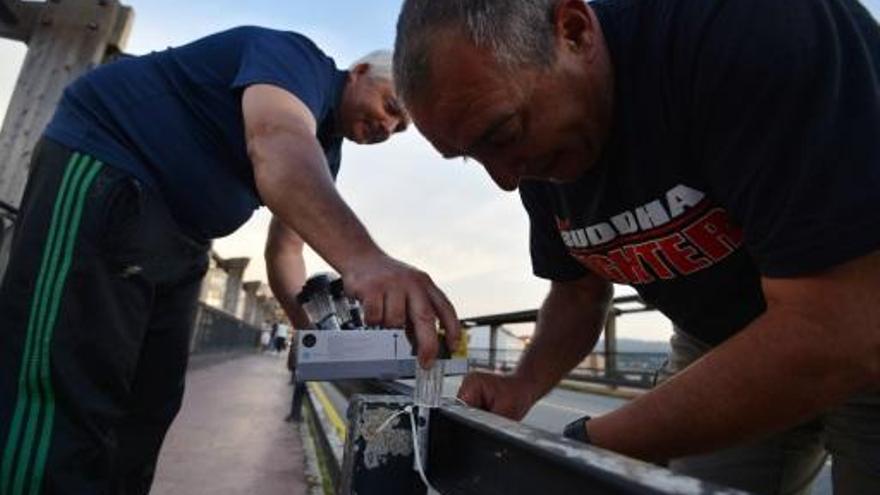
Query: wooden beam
point(68, 38)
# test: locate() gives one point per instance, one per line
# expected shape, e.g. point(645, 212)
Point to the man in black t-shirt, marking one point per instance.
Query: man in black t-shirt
point(720, 156)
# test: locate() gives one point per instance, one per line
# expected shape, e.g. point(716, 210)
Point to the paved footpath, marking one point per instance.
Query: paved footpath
point(231, 437)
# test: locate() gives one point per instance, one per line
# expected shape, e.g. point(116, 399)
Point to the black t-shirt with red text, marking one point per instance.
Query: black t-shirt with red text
point(746, 144)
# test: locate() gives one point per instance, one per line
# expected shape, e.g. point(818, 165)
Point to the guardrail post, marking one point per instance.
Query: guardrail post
point(493, 346)
point(611, 345)
point(379, 461)
point(235, 273)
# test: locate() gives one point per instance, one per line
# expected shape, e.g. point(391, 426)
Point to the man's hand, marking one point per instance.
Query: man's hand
point(397, 295)
point(569, 323)
point(508, 396)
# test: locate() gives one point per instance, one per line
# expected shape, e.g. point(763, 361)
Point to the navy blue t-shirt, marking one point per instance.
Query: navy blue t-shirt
point(174, 120)
point(746, 143)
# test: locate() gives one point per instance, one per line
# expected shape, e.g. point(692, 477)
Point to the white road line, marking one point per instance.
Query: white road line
point(560, 406)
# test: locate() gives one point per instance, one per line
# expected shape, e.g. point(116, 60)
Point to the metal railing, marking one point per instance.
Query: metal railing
point(215, 330)
point(624, 369)
point(472, 452)
point(608, 367)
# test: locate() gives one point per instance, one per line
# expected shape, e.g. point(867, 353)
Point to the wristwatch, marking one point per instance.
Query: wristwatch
point(577, 430)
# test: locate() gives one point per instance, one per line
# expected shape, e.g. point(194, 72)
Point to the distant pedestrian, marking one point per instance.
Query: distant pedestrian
point(281, 338)
point(266, 337)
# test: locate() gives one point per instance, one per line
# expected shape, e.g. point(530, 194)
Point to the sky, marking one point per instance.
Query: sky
point(445, 217)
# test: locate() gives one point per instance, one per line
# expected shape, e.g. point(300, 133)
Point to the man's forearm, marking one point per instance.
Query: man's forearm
point(780, 370)
point(293, 181)
point(286, 270)
point(286, 290)
point(569, 324)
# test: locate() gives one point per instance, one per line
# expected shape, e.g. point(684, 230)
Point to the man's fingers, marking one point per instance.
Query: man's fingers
point(410, 333)
point(448, 318)
point(395, 310)
point(467, 397)
point(373, 309)
point(481, 391)
point(422, 317)
point(471, 391)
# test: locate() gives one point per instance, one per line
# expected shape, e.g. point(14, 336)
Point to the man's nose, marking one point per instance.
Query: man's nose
point(505, 176)
point(391, 124)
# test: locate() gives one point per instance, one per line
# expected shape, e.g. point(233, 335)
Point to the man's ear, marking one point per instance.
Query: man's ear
point(574, 26)
point(360, 69)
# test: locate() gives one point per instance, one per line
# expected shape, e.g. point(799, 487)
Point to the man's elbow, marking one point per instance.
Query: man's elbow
point(852, 353)
point(871, 359)
point(262, 142)
point(282, 246)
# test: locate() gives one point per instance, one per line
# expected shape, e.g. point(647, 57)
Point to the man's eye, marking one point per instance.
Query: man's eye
point(506, 134)
point(392, 107)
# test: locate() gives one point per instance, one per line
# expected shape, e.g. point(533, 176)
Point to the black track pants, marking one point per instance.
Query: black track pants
point(95, 315)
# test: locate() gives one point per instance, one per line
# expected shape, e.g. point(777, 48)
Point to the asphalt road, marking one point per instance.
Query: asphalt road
point(557, 409)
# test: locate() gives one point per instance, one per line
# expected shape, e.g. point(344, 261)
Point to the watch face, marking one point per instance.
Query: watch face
point(577, 430)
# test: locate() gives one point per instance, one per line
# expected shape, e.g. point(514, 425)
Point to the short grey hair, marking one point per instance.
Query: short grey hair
point(379, 62)
point(517, 32)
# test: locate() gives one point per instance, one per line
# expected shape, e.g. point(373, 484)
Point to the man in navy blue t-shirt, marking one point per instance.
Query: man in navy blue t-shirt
point(721, 157)
point(145, 161)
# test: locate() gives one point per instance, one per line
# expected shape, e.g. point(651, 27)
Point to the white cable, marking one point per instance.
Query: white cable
point(421, 468)
point(387, 422)
point(415, 438)
point(412, 422)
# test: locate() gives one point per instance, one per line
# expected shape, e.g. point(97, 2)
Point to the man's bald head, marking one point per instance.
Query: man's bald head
point(524, 87)
point(517, 32)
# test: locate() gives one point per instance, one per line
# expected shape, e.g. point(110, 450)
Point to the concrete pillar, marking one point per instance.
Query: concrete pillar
point(251, 303)
point(65, 38)
point(235, 273)
point(271, 309)
point(264, 311)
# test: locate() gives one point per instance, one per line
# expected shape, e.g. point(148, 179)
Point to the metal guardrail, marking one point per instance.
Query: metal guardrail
point(632, 369)
point(609, 373)
point(474, 452)
point(218, 331)
point(622, 305)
